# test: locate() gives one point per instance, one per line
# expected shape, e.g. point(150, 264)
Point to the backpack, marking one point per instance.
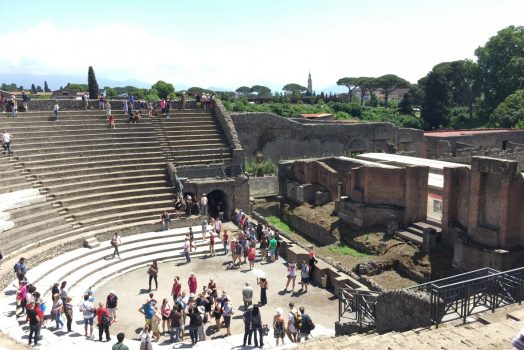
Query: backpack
point(105, 319)
point(205, 318)
point(298, 320)
point(238, 249)
point(308, 323)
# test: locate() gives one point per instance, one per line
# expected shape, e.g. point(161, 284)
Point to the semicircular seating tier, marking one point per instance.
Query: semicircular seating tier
point(94, 179)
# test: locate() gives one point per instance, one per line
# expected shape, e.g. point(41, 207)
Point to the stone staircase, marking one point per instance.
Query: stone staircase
point(489, 331)
point(95, 179)
point(414, 233)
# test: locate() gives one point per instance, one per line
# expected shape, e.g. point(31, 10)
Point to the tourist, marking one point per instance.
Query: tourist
point(130, 111)
point(200, 330)
point(183, 100)
point(125, 106)
point(165, 310)
point(20, 269)
point(137, 117)
point(116, 242)
point(192, 283)
point(21, 297)
point(34, 324)
point(120, 344)
point(212, 243)
point(55, 290)
point(247, 295)
point(149, 109)
point(87, 309)
point(3, 102)
point(56, 311)
point(111, 121)
point(256, 326)
point(227, 312)
point(112, 305)
point(146, 336)
point(217, 315)
point(236, 251)
point(312, 262)
point(103, 321)
point(164, 217)
point(203, 205)
point(63, 291)
point(291, 275)
point(175, 323)
point(168, 108)
point(262, 282)
point(212, 288)
point(25, 101)
point(272, 248)
point(107, 106)
point(198, 102)
point(248, 330)
point(155, 324)
point(279, 328)
point(251, 256)
point(218, 226)
point(85, 99)
point(304, 276)
point(6, 144)
point(195, 321)
point(39, 308)
point(14, 106)
point(291, 323)
point(101, 102)
point(163, 105)
point(176, 289)
point(147, 310)
point(191, 239)
point(204, 227)
point(264, 243)
point(187, 248)
point(68, 311)
point(152, 272)
point(306, 326)
point(178, 207)
point(225, 238)
point(56, 108)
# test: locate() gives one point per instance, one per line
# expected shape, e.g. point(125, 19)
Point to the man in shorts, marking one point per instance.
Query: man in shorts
point(291, 329)
point(88, 312)
point(304, 276)
point(148, 310)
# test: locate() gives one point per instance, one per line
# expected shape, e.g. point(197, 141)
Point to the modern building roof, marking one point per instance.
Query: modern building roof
point(435, 166)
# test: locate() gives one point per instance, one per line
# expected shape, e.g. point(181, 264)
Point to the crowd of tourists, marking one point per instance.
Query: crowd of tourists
point(191, 304)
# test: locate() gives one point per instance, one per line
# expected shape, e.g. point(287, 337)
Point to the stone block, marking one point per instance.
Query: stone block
point(321, 198)
point(494, 166)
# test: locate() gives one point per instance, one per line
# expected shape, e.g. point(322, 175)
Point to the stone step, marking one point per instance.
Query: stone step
point(423, 225)
point(92, 188)
point(102, 171)
point(92, 211)
point(410, 237)
point(74, 205)
point(92, 154)
point(65, 143)
point(415, 231)
point(94, 184)
point(52, 181)
point(36, 167)
point(91, 242)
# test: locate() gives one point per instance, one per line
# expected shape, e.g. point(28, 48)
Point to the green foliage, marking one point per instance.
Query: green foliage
point(243, 90)
point(33, 89)
point(353, 109)
point(294, 88)
point(9, 87)
point(280, 225)
point(77, 87)
point(39, 88)
point(151, 96)
point(389, 83)
point(110, 92)
point(509, 113)
point(46, 88)
point(265, 167)
point(345, 250)
point(261, 91)
point(163, 89)
point(501, 66)
point(350, 83)
point(437, 100)
point(92, 83)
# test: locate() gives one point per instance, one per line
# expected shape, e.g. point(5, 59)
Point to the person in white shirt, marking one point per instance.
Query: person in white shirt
point(56, 108)
point(203, 205)
point(88, 312)
point(6, 142)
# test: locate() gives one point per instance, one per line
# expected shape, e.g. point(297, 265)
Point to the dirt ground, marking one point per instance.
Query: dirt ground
point(378, 246)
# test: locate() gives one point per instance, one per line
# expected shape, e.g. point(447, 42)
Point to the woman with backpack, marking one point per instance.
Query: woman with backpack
point(68, 310)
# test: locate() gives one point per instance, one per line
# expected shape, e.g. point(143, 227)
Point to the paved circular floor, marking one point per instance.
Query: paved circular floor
point(132, 291)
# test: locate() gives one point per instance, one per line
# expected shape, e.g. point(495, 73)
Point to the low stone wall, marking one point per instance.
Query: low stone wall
point(263, 186)
point(314, 232)
point(401, 310)
point(225, 121)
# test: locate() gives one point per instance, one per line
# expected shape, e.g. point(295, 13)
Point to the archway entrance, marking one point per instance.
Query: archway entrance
point(218, 204)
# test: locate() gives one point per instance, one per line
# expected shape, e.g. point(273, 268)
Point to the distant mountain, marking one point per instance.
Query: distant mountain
point(54, 81)
point(214, 88)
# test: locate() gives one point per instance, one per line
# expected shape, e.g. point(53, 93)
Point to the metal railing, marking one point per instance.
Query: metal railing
point(358, 306)
point(460, 296)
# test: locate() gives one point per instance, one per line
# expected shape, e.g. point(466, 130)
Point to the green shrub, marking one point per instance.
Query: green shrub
point(266, 167)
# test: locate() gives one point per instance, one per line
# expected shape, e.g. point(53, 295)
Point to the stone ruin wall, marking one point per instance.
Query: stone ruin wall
point(280, 138)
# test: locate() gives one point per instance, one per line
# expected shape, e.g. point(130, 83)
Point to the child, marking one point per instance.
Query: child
point(111, 121)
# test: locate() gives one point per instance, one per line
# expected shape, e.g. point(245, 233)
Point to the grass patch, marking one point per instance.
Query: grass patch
point(280, 225)
point(345, 250)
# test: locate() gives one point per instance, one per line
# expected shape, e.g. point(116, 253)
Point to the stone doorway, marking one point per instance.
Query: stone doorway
point(218, 204)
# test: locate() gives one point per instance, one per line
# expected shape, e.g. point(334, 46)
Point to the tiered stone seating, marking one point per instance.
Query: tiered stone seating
point(98, 179)
point(194, 137)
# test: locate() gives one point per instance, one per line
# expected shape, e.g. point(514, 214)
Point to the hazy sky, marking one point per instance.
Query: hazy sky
point(230, 43)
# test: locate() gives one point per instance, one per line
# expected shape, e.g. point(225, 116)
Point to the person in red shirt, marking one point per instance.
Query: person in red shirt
point(212, 243)
point(103, 323)
point(176, 290)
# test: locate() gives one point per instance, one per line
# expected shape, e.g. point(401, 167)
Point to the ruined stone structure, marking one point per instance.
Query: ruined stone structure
point(483, 213)
point(367, 194)
point(280, 138)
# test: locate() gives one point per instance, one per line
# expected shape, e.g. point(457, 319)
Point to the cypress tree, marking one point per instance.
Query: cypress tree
point(33, 89)
point(92, 84)
point(46, 88)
